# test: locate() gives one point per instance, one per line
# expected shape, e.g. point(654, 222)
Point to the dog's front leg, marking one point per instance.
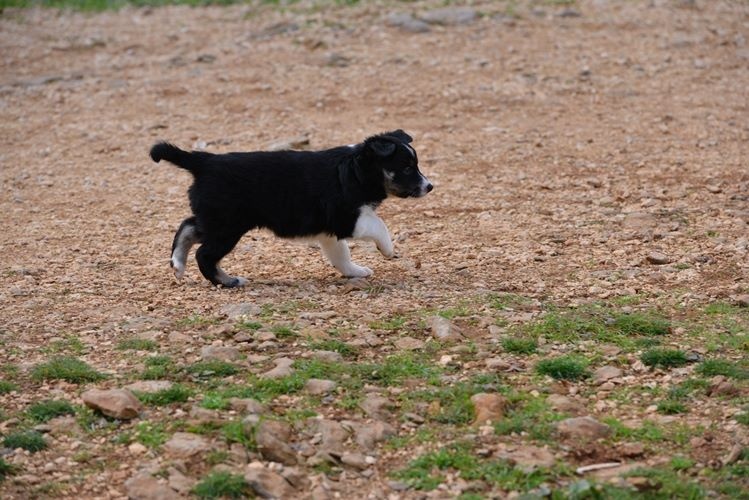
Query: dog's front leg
point(338, 254)
point(370, 227)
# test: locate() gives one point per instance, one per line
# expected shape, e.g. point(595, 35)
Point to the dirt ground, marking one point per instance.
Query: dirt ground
point(580, 153)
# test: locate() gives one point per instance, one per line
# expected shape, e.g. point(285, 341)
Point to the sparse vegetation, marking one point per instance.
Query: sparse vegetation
point(175, 394)
point(6, 387)
point(564, 367)
point(47, 410)
point(519, 345)
point(212, 368)
point(222, 484)
point(66, 368)
point(136, 344)
point(664, 358)
point(31, 441)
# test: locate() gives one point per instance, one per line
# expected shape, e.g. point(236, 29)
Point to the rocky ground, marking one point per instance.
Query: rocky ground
point(568, 315)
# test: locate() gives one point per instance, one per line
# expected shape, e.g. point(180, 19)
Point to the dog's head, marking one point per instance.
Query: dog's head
point(391, 154)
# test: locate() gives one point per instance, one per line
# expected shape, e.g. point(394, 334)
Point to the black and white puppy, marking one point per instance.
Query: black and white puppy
point(328, 195)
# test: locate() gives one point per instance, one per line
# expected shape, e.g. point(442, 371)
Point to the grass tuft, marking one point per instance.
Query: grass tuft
point(519, 345)
point(47, 410)
point(564, 367)
point(6, 387)
point(671, 407)
point(712, 367)
point(222, 484)
point(136, 344)
point(6, 469)
point(31, 441)
point(66, 368)
point(175, 394)
point(212, 368)
point(664, 358)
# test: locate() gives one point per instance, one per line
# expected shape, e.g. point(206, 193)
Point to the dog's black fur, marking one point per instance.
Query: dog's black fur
point(292, 193)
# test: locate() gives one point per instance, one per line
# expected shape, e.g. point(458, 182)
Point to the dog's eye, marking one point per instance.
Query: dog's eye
point(407, 170)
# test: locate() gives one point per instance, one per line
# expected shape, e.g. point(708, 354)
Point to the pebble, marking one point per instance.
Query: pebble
point(220, 353)
point(327, 356)
point(268, 484)
point(240, 311)
point(658, 258)
point(450, 16)
point(409, 344)
point(443, 329)
point(143, 486)
point(271, 437)
point(407, 22)
point(186, 444)
point(565, 404)
point(376, 406)
point(606, 373)
point(282, 369)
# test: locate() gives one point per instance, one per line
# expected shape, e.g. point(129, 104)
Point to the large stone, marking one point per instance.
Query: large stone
point(565, 404)
point(443, 329)
point(282, 369)
point(238, 311)
point(368, 435)
point(333, 434)
point(143, 486)
point(247, 405)
point(490, 407)
point(271, 437)
point(583, 428)
point(116, 403)
point(450, 16)
point(220, 353)
point(317, 387)
point(376, 406)
point(268, 484)
point(185, 445)
point(606, 373)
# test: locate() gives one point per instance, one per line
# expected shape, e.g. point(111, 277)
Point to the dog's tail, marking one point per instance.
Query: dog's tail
point(191, 161)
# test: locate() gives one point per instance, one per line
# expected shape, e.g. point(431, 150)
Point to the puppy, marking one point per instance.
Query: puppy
point(328, 195)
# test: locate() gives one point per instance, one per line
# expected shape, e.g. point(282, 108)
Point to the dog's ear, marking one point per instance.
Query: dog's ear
point(401, 136)
point(381, 147)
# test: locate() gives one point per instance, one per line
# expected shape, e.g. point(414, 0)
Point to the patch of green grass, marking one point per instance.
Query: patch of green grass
point(454, 312)
point(45, 411)
point(197, 320)
point(671, 407)
point(397, 368)
point(428, 471)
point(151, 434)
point(345, 350)
point(503, 301)
point(250, 325)
point(66, 368)
point(520, 345)
point(6, 469)
point(31, 441)
point(530, 416)
point(222, 484)
point(158, 368)
point(215, 457)
point(641, 324)
point(390, 324)
point(70, 344)
point(664, 358)
point(175, 394)
point(742, 418)
point(455, 406)
point(136, 344)
point(679, 462)
point(668, 484)
point(238, 432)
point(212, 368)
point(284, 331)
point(721, 309)
point(712, 367)
point(422, 435)
point(564, 367)
point(6, 387)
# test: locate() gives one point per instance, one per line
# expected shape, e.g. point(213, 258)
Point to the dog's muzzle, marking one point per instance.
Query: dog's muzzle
point(424, 188)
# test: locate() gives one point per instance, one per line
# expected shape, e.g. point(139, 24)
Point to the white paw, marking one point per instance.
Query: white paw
point(179, 270)
point(388, 253)
point(355, 271)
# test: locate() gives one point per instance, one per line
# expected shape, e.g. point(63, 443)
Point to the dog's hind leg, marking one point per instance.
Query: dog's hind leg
point(210, 254)
point(185, 237)
point(338, 254)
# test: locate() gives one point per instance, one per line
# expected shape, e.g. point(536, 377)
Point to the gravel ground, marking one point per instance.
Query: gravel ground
point(589, 161)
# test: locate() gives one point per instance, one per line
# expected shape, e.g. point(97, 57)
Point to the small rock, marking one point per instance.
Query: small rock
point(742, 301)
point(583, 427)
point(137, 449)
point(450, 16)
point(143, 486)
point(719, 386)
point(179, 482)
point(116, 403)
point(630, 450)
point(529, 457)
point(489, 407)
point(268, 484)
point(327, 356)
point(333, 434)
point(316, 386)
point(239, 311)
point(565, 404)
point(409, 344)
point(605, 373)
point(247, 405)
point(407, 22)
point(368, 435)
point(497, 364)
point(355, 460)
point(202, 415)
point(282, 369)
point(658, 258)
point(336, 60)
point(377, 407)
point(186, 444)
point(443, 329)
point(298, 478)
point(220, 353)
point(271, 437)
point(149, 386)
point(178, 338)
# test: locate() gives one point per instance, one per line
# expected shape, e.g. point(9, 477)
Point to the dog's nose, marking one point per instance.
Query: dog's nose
point(429, 187)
